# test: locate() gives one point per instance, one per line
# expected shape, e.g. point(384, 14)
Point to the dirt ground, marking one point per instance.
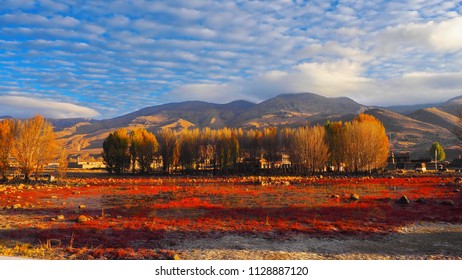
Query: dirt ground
point(418, 241)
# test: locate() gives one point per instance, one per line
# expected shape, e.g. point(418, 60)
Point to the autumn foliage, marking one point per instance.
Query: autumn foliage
point(32, 143)
point(357, 146)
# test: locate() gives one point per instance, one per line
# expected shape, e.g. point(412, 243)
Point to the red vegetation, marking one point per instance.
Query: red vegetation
point(138, 218)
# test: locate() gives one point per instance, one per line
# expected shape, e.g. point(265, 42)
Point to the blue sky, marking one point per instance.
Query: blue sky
point(102, 59)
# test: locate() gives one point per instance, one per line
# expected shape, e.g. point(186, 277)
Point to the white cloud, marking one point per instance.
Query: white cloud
point(22, 106)
point(444, 36)
point(330, 79)
point(129, 53)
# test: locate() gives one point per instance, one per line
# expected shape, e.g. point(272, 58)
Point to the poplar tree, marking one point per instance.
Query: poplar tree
point(34, 144)
point(6, 145)
point(115, 153)
point(143, 148)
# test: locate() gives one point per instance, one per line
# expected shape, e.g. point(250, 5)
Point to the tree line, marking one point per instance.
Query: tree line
point(32, 143)
point(360, 145)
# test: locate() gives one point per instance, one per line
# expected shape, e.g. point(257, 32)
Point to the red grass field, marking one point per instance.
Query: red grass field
point(142, 218)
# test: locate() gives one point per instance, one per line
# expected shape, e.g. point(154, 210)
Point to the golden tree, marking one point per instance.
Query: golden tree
point(168, 148)
point(227, 149)
point(62, 163)
point(310, 148)
point(143, 149)
point(34, 144)
point(189, 148)
point(6, 144)
point(365, 144)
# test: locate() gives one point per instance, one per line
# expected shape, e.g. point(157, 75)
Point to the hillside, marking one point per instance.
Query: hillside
point(452, 106)
point(415, 132)
point(408, 134)
point(437, 117)
point(297, 109)
point(198, 113)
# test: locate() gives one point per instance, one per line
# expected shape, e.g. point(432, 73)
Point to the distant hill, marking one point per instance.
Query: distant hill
point(302, 108)
point(437, 117)
point(59, 124)
point(409, 134)
point(197, 113)
point(408, 109)
point(414, 132)
point(452, 106)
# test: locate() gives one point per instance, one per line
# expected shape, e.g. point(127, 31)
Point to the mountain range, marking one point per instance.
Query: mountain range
point(410, 128)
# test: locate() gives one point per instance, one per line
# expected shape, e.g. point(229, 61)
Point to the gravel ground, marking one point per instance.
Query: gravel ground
point(418, 241)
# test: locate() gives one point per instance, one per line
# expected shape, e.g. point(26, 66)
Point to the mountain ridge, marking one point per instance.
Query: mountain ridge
point(414, 132)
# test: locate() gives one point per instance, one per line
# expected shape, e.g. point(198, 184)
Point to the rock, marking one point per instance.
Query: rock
point(335, 196)
point(403, 200)
point(60, 217)
point(457, 190)
point(55, 242)
point(81, 206)
point(421, 200)
point(354, 197)
point(448, 202)
point(286, 183)
point(82, 219)
point(53, 197)
point(458, 180)
point(17, 206)
point(119, 217)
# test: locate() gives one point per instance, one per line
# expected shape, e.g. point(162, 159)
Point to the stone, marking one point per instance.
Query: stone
point(60, 217)
point(82, 219)
point(404, 200)
point(458, 180)
point(17, 206)
point(55, 242)
point(54, 197)
point(354, 197)
point(448, 202)
point(335, 196)
point(457, 190)
point(81, 206)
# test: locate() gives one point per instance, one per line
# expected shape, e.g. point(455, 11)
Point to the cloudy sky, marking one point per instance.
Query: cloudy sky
point(104, 58)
